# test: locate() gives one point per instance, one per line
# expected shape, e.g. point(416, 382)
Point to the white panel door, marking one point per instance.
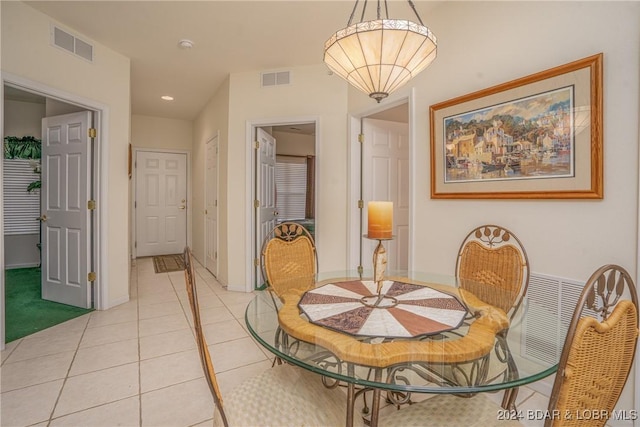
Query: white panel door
point(211, 206)
point(266, 213)
point(161, 203)
point(65, 217)
point(385, 176)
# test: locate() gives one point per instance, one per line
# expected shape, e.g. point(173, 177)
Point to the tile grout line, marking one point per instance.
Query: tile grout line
point(139, 349)
point(66, 378)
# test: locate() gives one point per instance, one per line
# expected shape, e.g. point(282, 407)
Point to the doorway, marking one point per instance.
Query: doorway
point(380, 169)
point(25, 104)
point(160, 202)
point(284, 181)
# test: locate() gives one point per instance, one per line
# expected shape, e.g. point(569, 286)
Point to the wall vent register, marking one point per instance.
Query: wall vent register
point(276, 78)
point(71, 43)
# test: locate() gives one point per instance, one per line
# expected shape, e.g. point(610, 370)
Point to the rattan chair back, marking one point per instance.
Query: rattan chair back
point(288, 259)
point(279, 396)
point(598, 351)
point(203, 349)
point(494, 266)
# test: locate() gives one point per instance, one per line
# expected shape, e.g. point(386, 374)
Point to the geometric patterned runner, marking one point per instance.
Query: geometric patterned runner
point(403, 310)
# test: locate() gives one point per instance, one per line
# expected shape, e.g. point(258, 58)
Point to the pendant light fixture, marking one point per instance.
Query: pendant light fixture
point(380, 56)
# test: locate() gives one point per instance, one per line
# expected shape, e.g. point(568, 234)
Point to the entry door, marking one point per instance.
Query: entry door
point(161, 203)
point(266, 213)
point(211, 207)
point(386, 177)
point(65, 216)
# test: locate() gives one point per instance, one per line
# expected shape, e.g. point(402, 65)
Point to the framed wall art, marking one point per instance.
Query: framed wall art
point(537, 137)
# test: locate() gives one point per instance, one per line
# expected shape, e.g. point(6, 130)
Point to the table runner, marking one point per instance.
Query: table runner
point(403, 310)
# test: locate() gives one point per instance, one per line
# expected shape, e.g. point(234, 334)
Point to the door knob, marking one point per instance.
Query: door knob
point(43, 218)
point(182, 207)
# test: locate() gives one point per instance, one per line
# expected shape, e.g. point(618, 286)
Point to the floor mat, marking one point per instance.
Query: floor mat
point(167, 263)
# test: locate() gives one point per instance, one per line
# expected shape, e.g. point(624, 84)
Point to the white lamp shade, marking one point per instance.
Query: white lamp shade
point(380, 56)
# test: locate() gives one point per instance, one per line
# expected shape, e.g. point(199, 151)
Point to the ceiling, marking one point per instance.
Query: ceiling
point(228, 36)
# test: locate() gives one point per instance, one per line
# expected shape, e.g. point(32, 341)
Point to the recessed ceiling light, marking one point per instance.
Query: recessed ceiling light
point(167, 97)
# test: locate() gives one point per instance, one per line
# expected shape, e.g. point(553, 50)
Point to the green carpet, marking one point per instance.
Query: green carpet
point(27, 313)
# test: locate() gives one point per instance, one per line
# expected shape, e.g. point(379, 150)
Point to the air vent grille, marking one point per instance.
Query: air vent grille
point(73, 44)
point(276, 78)
point(556, 299)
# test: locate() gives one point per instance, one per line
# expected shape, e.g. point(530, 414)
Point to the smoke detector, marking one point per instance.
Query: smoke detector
point(185, 44)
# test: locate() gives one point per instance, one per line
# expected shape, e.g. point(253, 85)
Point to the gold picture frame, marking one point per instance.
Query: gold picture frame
point(537, 137)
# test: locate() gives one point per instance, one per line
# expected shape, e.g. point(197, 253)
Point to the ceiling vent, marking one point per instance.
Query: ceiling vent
point(71, 43)
point(276, 78)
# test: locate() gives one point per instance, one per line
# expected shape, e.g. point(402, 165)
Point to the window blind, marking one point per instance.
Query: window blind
point(21, 208)
point(291, 187)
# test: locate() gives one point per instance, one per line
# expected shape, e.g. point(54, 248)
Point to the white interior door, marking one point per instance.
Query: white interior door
point(266, 213)
point(65, 216)
point(161, 203)
point(385, 176)
point(211, 206)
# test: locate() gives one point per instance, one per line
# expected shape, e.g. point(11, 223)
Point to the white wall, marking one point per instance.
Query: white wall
point(482, 44)
point(312, 94)
point(27, 53)
point(23, 118)
point(479, 48)
point(161, 133)
point(213, 120)
point(295, 144)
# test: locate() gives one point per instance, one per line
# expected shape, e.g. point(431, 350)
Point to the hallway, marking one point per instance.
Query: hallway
point(133, 365)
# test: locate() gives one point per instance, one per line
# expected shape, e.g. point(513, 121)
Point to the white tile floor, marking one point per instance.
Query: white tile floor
point(136, 364)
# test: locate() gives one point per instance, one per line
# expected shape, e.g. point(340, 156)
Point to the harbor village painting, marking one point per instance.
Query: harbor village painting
point(527, 138)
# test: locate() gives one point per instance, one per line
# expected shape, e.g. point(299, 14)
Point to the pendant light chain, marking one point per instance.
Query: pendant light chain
point(413, 6)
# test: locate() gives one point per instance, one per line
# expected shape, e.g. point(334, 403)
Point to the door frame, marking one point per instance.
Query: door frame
point(134, 196)
point(215, 137)
point(100, 185)
point(250, 184)
point(354, 213)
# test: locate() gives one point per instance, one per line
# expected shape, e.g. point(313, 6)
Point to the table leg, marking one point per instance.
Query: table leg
point(375, 404)
point(509, 399)
point(350, 397)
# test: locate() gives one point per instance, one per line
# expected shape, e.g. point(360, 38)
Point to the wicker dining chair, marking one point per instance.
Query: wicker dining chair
point(288, 259)
point(284, 395)
point(494, 257)
point(593, 369)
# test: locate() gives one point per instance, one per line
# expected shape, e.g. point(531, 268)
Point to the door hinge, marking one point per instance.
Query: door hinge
point(215, 255)
point(256, 203)
point(135, 244)
point(256, 144)
point(360, 204)
point(256, 262)
point(361, 137)
point(215, 202)
point(206, 211)
point(135, 205)
point(91, 276)
point(91, 205)
point(92, 133)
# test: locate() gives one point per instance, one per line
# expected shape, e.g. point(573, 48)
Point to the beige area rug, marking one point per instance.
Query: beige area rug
point(167, 263)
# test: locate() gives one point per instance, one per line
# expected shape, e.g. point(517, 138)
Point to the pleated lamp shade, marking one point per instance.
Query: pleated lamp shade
point(380, 56)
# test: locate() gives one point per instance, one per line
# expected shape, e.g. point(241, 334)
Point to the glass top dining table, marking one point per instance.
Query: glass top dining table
point(417, 333)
